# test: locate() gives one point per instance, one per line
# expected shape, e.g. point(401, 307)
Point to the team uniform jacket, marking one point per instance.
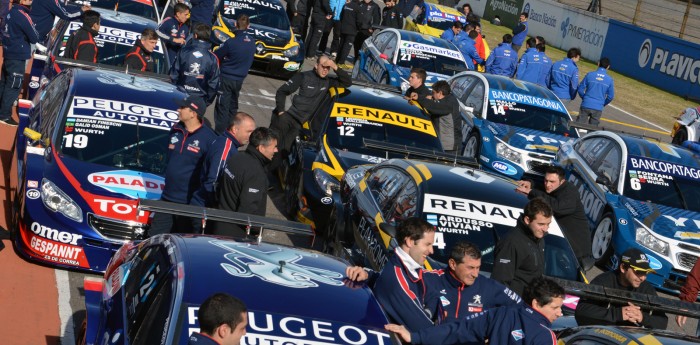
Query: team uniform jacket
point(311, 89)
point(456, 301)
point(244, 184)
point(564, 79)
point(81, 45)
point(368, 16)
point(596, 90)
point(138, 58)
point(422, 91)
point(348, 19)
point(543, 78)
point(689, 291)
point(196, 70)
point(44, 12)
point(170, 29)
point(467, 47)
point(502, 61)
point(236, 55)
point(402, 295)
point(520, 33)
point(202, 11)
point(392, 17)
point(505, 325)
point(447, 119)
point(519, 258)
point(186, 154)
point(20, 34)
point(223, 147)
point(604, 313)
point(201, 339)
point(532, 67)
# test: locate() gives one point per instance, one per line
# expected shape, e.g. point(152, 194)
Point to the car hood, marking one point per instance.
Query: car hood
point(270, 36)
point(527, 139)
point(679, 224)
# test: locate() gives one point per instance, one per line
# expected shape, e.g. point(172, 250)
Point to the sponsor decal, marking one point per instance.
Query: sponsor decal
point(471, 209)
point(540, 17)
point(670, 63)
point(592, 206)
point(444, 301)
point(326, 200)
point(686, 235)
point(130, 183)
point(32, 184)
point(112, 207)
point(518, 334)
point(113, 35)
point(505, 6)
point(53, 245)
point(371, 244)
point(592, 37)
point(33, 194)
point(424, 48)
point(611, 334)
point(34, 84)
point(291, 66)
point(654, 263)
point(122, 112)
point(456, 225)
point(504, 168)
point(658, 166)
point(551, 104)
point(384, 116)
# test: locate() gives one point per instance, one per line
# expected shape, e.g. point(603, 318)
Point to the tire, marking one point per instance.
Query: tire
point(680, 137)
point(601, 240)
point(472, 146)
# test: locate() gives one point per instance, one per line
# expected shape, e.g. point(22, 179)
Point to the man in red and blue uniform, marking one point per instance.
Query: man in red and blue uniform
point(44, 12)
point(196, 69)
point(174, 30)
point(81, 44)
point(596, 90)
point(222, 321)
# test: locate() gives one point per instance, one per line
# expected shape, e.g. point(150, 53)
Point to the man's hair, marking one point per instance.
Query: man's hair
point(527, 15)
point(239, 118)
point(537, 206)
point(442, 86)
point(477, 25)
point(262, 136)
point(473, 34)
point(555, 169)
point(508, 38)
point(243, 21)
point(542, 44)
point(149, 34)
point(467, 5)
point(412, 228)
point(220, 309)
point(457, 24)
point(469, 27)
point(464, 248)
point(203, 31)
point(531, 42)
point(180, 7)
point(604, 62)
point(543, 290)
point(420, 73)
point(573, 52)
point(90, 18)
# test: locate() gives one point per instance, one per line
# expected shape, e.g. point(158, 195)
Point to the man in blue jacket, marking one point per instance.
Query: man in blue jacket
point(596, 91)
point(503, 59)
point(563, 80)
point(530, 325)
point(532, 64)
point(454, 31)
point(17, 40)
point(203, 11)
point(467, 46)
point(44, 12)
point(174, 30)
point(520, 32)
point(196, 69)
point(236, 57)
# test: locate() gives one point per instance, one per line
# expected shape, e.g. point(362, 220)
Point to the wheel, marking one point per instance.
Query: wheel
point(471, 148)
point(680, 137)
point(601, 243)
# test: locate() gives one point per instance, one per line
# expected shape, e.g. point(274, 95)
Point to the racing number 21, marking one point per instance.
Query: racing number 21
point(78, 141)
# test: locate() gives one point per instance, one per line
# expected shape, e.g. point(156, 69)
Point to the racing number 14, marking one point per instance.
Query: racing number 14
point(498, 109)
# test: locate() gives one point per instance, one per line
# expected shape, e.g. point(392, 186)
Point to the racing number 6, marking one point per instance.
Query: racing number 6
point(634, 183)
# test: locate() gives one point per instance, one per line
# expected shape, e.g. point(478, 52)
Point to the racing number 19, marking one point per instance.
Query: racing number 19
point(79, 141)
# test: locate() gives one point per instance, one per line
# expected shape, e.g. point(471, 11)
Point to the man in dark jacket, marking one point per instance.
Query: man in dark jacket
point(196, 68)
point(244, 180)
point(520, 255)
point(189, 143)
point(408, 6)
point(174, 30)
point(443, 108)
point(416, 82)
point(322, 14)
point(17, 41)
point(391, 16)
point(222, 321)
point(203, 11)
point(630, 276)
point(44, 13)
point(368, 16)
point(139, 57)
point(566, 204)
point(236, 57)
point(81, 44)
point(348, 30)
point(296, 11)
point(689, 293)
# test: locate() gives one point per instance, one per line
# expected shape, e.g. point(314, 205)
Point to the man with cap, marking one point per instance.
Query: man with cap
point(189, 143)
point(630, 276)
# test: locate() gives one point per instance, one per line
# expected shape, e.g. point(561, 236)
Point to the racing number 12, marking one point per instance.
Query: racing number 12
point(347, 131)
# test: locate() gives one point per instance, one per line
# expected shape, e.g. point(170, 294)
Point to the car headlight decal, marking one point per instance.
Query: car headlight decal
point(56, 200)
point(505, 151)
point(220, 35)
point(326, 182)
point(644, 237)
point(291, 52)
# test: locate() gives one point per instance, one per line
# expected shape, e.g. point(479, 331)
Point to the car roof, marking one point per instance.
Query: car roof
point(380, 98)
point(628, 334)
point(121, 20)
point(417, 37)
point(647, 147)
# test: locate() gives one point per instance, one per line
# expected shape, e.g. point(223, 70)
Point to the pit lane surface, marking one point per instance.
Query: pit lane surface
point(41, 305)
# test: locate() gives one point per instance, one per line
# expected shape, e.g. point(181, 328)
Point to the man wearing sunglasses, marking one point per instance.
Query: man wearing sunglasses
point(630, 276)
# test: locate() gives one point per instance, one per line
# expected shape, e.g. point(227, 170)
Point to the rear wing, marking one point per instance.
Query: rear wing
point(93, 66)
point(420, 153)
point(206, 214)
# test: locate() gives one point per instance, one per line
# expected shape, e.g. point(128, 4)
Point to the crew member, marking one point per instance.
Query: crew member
point(196, 69)
point(443, 108)
point(348, 30)
point(81, 43)
point(139, 57)
point(452, 33)
point(503, 59)
point(222, 321)
point(416, 83)
point(532, 64)
point(391, 16)
point(596, 90)
point(44, 12)
point(368, 16)
point(520, 32)
point(175, 29)
point(202, 12)
point(689, 293)
point(467, 46)
point(322, 13)
point(564, 76)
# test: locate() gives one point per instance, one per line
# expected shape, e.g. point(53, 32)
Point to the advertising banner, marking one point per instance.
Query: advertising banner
point(507, 10)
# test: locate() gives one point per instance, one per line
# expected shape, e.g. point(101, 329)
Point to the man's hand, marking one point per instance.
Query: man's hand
point(330, 63)
point(414, 96)
point(524, 187)
point(632, 313)
point(680, 320)
point(280, 113)
point(85, 8)
point(403, 333)
point(356, 273)
point(179, 40)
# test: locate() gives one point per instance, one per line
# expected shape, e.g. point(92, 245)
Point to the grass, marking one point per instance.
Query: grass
point(638, 98)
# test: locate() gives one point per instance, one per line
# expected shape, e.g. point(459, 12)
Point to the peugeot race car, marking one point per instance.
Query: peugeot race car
point(640, 193)
point(333, 141)
point(512, 127)
point(95, 142)
point(434, 19)
point(278, 52)
point(141, 8)
point(388, 56)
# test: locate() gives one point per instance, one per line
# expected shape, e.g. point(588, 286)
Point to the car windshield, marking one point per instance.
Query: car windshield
point(531, 117)
point(141, 8)
point(559, 258)
point(135, 137)
point(113, 44)
point(663, 188)
point(264, 13)
point(430, 62)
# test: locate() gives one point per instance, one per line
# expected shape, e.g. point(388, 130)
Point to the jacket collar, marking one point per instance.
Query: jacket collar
point(143, 50)
point(602, 70)
point(90, 30)
point(526, 230)
point(200, 43)
point(230, 136)
point(255, 153)
point(538, 316)
point(411, 265)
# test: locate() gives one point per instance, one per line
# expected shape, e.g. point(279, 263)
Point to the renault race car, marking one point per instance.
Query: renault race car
point(687, 126)
point(142, 8)
point(433, 19)
point(95, 142)
point(511, 126)
point(332, 141)
point(388, 56)
point(640, 193)
point(118, 33)
point(278, 52)
point(293, 296)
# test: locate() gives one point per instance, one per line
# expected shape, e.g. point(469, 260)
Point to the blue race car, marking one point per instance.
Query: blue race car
point(512, 127)
point(88, 147)
point(388, 56)
point(641, 193)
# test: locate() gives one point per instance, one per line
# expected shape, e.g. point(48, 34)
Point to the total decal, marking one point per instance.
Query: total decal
point(471, 209)
point(124, 112)
point(424, 48)
point(384, 116)
point(130, 183)
point(268, 328)
point(53, 245)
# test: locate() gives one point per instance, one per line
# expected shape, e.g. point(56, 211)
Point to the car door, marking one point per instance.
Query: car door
point(595, 156)
point(374, 68)
point(462, 87)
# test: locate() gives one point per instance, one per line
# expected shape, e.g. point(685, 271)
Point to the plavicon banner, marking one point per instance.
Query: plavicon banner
point(668, 63)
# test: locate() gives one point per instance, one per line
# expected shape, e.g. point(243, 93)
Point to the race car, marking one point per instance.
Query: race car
point(118, 33)
point(388, 56)
point(278, 51)
point(141, 8)
point(332, 141)
point(463, 203)
point(433, 19)
point(511, 126)
point(90, 145)
point(687, 126)
point(151, 294)
point(642, 193)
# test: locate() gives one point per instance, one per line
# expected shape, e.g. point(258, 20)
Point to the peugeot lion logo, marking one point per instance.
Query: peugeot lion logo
point(644, 53)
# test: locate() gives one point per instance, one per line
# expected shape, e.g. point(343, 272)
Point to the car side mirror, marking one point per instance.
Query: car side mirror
point(388, 229)
point(383, 56)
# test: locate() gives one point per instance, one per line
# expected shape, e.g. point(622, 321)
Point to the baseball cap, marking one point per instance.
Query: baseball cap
point(195, 103)
point(637, 260)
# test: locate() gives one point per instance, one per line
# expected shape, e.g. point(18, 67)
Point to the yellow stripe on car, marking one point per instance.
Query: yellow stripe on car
point(334, 169)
